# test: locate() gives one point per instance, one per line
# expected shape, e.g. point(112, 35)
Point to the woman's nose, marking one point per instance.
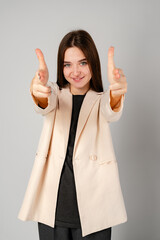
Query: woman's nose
point(76, 70)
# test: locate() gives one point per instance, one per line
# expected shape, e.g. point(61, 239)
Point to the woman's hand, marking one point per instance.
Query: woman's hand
point(38, 87)
point(118, 83)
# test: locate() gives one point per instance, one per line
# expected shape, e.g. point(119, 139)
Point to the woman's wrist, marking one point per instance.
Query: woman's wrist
point(115, 101)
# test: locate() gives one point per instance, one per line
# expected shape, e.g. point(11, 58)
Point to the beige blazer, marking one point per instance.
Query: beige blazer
point(99, 196)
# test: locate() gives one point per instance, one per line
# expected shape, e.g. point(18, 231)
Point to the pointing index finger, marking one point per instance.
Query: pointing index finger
point(40, 56)
point(111, 64)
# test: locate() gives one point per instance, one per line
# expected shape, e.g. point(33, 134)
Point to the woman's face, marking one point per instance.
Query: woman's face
point(76, 71)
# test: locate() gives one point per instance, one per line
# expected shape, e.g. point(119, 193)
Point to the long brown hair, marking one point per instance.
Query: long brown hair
point(82, 40)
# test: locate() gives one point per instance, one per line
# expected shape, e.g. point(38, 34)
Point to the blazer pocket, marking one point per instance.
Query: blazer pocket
point(102, 162)
point(94, 157)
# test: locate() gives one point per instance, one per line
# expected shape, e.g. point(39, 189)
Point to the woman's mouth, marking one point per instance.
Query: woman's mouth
point(77, 79)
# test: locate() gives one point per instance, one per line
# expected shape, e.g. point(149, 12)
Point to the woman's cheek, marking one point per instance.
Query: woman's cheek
point(65, 72)
point(88, 70)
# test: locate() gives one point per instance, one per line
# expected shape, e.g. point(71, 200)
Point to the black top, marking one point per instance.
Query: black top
point(67, 214)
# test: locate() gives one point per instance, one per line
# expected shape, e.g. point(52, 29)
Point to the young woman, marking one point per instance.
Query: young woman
point(74, 189)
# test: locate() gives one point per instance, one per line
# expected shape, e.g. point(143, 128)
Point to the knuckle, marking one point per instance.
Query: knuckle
point(34, 86)
point(34, 93)
point(47, 89)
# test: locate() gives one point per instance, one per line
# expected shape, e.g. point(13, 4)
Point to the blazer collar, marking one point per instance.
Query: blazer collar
point(66, 111)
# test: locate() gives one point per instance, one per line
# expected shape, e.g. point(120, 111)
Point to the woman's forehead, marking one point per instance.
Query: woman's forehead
point(73, 54)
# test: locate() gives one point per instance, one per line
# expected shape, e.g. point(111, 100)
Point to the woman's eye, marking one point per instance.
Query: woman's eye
point(66, 65)
point(83, 63)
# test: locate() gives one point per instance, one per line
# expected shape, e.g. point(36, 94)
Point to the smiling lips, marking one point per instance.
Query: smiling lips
point(77, 79)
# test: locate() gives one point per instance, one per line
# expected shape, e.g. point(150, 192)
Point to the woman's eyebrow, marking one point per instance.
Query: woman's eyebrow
point(84, 59)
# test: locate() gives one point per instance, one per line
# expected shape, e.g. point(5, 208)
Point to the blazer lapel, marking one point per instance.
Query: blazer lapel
point(66, 112)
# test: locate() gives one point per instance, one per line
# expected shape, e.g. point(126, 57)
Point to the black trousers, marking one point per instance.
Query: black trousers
point(64, 233)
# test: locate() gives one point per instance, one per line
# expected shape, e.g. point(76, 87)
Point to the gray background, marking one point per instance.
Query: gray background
point(132, 27)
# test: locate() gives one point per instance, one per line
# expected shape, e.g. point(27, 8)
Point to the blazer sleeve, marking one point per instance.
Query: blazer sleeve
point(110, 115)
point(52, 100)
